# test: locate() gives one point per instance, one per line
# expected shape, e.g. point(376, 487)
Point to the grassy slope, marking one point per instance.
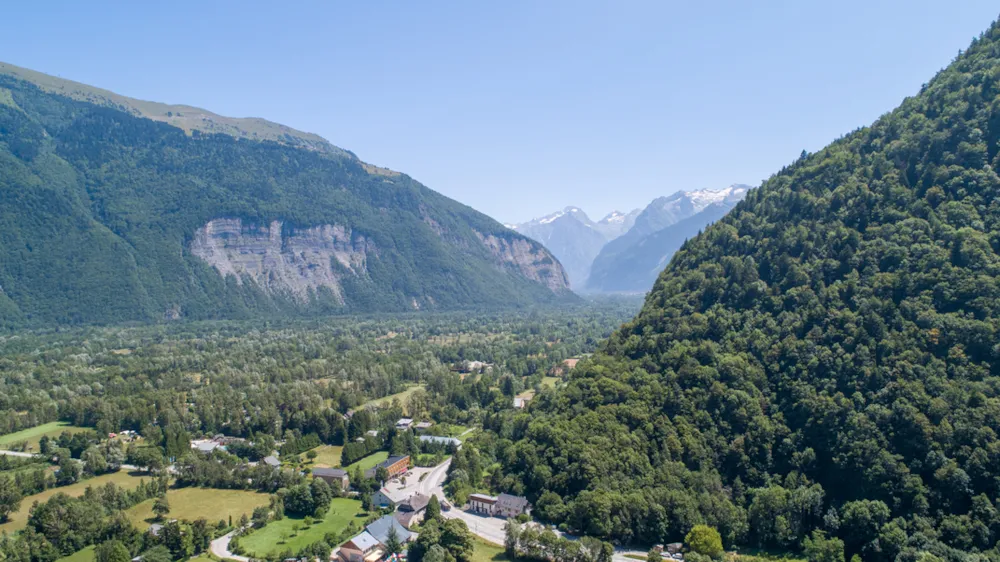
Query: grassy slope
point(194, 503)
point(19, 519)
point(85, 555)
point(370, 461)
point(488, 552)
point(327, 456)
point(33, 434)
point(402, 396)
point(264, 541)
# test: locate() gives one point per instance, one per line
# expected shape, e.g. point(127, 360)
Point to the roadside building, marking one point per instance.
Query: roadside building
point(510, 506)
point(482, 503)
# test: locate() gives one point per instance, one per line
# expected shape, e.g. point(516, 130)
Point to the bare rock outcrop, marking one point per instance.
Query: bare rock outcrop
point(292, 261)
point(531, 259)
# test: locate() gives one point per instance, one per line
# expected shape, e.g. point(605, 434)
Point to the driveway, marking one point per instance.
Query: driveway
point(220, 548)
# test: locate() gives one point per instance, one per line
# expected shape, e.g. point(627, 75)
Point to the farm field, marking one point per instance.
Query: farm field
point(33, 434)
point(278, 536)
point(194, 503)
point(370, 461)
point(19, 519)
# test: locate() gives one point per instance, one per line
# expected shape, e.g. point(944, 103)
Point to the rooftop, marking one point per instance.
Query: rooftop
point(364, 541)
point(380, 529)
point(331, 472)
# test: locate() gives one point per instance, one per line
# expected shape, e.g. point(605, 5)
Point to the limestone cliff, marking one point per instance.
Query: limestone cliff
point(280, 261)
point(530, 259)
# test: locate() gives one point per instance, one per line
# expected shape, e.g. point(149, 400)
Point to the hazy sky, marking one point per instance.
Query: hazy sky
point(521, 108)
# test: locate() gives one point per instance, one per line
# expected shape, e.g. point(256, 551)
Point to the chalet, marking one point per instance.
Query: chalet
point(395, 465)
point(362, 547)
point(333, 477)
point(272, 461)
point(510, 506)
point(370, 433)
point(424, 426)
point(412, 510)
point(482, 503)
point(404, 424)
point(520, 402)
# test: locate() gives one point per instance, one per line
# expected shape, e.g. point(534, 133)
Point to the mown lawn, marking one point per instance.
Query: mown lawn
point(33, 434)
point(327, 456)
point(19, 519)
point(370, 461)
point(278, 536)
point(85, 555)
point(194, 503)
point(488, 552)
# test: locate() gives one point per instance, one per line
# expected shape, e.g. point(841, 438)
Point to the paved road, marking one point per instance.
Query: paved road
point(220, 548)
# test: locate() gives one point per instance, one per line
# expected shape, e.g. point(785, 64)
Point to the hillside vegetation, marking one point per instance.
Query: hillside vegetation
point(824, 357)
point(106, 216)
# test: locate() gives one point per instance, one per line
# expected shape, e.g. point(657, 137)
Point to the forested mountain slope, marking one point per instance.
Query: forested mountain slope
point(824, 357)
point(107, 216)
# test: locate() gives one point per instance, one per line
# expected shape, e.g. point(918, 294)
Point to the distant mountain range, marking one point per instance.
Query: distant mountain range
point(575, 239)
point(623, 252)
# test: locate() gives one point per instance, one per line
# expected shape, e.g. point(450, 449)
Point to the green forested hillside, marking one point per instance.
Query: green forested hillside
point(98, 209)
point(824, 357)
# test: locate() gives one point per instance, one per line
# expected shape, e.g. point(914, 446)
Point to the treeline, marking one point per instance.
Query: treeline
point(63, 525)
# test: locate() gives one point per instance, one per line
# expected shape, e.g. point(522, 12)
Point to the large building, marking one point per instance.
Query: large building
point(395, 465)
point(504, 505)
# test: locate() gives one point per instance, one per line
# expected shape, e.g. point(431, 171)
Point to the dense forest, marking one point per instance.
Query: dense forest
point(821, 363)
point(99, 208)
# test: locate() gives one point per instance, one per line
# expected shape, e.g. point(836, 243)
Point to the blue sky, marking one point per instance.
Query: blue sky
point(519, 108)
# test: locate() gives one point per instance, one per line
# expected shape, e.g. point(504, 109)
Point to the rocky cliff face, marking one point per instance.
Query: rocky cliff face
point(531, 260)
point(279, 261)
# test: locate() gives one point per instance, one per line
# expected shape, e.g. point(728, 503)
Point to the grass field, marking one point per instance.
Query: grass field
point(193, 503)
point(33, 434)
point(447, 430)
point(403, 397)
point(487, 552)
point(85, 555)
point(370, 461)
point(278, 535)
point(328, 456)
point(19, 519)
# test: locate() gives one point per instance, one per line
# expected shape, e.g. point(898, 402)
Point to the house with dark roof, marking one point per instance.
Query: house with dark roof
point(333, 477)
point(510, 506)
